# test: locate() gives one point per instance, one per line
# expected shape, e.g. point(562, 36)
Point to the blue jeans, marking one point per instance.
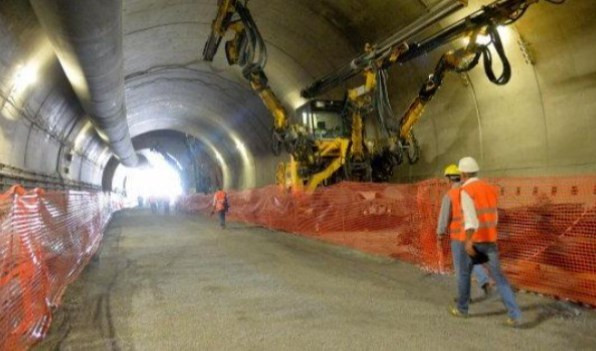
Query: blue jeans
point(222, 218)
point(507, 296)
point(457, 249)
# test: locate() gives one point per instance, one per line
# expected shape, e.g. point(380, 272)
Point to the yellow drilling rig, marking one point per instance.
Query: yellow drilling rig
point(328, 142)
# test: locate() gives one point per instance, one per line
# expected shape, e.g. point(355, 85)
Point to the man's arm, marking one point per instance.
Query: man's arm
point(470, 220)
point(213, 205)
point(444, 215)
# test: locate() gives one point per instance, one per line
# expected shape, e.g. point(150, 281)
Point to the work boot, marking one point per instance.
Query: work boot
point(513, 323)
point(455, 312)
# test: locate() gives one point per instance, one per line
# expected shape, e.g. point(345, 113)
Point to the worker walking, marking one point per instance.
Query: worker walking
point(450, 220)
point(480, 216)
point(220, 205)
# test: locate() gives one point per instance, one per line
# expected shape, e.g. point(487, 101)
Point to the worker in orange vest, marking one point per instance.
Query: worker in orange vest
point(220, 205)
point(478, 200)
point(450, 220)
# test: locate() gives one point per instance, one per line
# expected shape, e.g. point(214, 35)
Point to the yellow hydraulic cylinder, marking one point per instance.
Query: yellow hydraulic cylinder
point(411, 117)
point(226, 7)
point(357, 149)
point(273, 104)
point(280, 175)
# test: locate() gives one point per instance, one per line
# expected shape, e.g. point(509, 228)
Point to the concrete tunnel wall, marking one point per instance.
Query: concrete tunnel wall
point(540, 123)
point(41, 129)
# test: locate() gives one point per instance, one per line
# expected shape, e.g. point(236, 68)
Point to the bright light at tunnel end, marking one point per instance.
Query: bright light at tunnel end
point(158, 180)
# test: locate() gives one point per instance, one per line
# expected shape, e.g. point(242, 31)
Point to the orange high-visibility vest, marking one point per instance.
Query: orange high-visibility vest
point(219, 200)
point(456, 225)
point(485, 198)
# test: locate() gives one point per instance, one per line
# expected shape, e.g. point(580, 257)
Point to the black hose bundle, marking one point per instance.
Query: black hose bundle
point(382, 102)
point(254, 53)
point(488, 59)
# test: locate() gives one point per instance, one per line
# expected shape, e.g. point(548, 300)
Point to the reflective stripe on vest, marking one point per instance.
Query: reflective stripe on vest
point(486, 210)
point(456, 226)
point(487, 225)
point(485, 198)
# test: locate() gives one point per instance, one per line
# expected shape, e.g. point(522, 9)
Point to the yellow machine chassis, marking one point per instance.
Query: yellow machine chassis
point(332, 151)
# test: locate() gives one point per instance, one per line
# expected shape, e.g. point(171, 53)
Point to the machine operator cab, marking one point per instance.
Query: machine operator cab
point(324, 123)
point(323, 119)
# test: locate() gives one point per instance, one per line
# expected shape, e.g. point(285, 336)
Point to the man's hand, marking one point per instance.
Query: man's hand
point(470, 248)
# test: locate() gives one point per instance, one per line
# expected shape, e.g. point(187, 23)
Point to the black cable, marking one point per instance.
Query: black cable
point(520, 13)
point(382, 102)
point(255, 52)
point(488, 60)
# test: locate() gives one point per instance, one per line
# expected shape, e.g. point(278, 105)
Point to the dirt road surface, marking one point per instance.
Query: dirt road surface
point(180, 283)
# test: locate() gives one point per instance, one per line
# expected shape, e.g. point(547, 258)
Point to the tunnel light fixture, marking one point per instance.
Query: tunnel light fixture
point(505, 33)
point(483, 39)
point(295, 99)
point(241, 147)
point(219, 157)
point(104, 156)
point(25, 76)
point(81, 136)
point(247, 162)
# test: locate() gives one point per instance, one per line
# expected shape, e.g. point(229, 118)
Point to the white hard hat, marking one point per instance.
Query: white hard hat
point(468, 165)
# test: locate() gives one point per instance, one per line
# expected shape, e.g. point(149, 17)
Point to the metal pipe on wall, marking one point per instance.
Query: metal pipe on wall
point(434, 14)
point(87, 38)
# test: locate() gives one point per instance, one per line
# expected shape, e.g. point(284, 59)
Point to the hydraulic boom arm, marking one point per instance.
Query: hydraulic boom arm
point(481, 22)
point(247, 50)
point(219, 27)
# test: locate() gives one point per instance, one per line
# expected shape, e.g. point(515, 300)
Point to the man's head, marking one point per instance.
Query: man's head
point(452, 173)
point(468, 167)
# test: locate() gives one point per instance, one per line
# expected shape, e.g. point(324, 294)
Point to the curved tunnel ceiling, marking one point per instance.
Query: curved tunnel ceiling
point(522, 128)
point(167, 85)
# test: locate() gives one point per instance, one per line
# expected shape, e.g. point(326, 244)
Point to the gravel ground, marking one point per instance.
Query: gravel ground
point(181, 283)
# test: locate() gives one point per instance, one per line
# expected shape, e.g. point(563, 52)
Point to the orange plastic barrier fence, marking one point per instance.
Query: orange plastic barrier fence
point(46, 239)
point(547, 226)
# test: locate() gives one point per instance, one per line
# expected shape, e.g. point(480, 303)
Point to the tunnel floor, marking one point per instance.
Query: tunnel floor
point(180, 283)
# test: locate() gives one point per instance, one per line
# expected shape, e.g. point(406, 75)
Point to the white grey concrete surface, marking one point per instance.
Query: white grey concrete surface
point(181, 283)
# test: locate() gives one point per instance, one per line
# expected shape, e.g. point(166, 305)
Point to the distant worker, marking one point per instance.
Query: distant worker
point(165, 203)
point(221, 206)
point(450, 220)
point(480, 216)
point(153, 204)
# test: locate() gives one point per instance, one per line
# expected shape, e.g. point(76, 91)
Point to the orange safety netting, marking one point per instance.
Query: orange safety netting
point(46, 239)
point(547, 226)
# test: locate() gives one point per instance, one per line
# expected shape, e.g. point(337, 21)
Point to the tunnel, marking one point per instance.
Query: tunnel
point(108, 107)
